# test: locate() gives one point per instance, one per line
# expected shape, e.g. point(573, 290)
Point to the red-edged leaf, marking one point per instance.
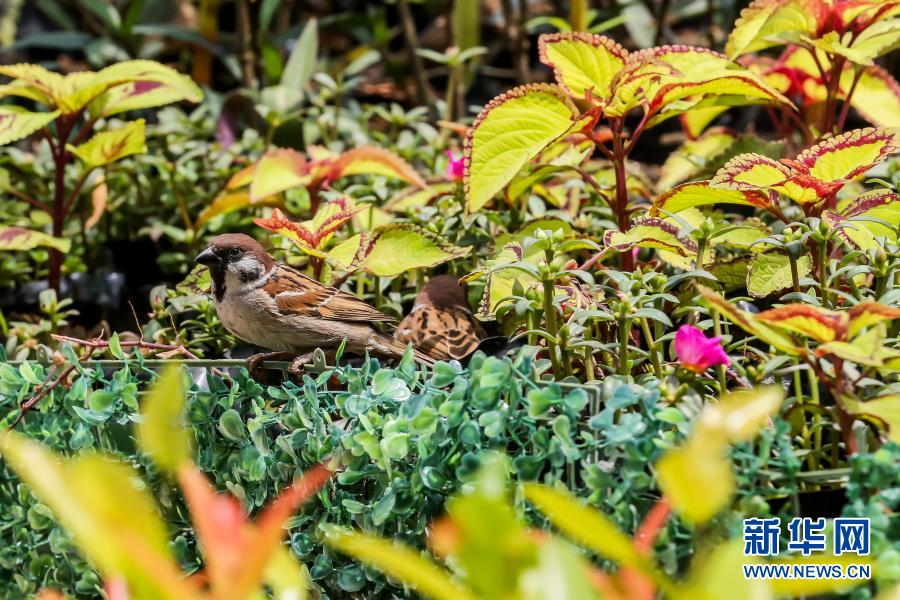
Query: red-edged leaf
point(278, 170)
point(700, 193)
point(748, 322)
point(222, 528)
point(849, 154)
point(757, 172)
point(369, 160)
point(650, 232)
point(584, 64)
point(855, 222)
point(868, 313)
point(311, 236)
point(820, 324)
point(269, 529)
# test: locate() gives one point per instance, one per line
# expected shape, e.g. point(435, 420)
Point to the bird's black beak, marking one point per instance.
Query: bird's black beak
point(208, 258)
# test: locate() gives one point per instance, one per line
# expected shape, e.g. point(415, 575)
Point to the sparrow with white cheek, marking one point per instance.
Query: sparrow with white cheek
point(274, 306)
point(440, 323)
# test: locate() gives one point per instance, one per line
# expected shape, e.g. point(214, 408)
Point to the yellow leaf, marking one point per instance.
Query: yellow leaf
point(109, 146)
point(278, 170)
point(162, 432)
point(511, 130)
point(692, 156)
point(817, 323)
point(584, 64)
point(109, 512)
point(760, 23)
point(697, 478)
point(399, 562)
point(742, 414)
point(587, 527)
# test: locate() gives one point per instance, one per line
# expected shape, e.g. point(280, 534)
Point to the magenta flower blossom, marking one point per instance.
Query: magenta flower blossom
point(456, 167)
point(696, 351)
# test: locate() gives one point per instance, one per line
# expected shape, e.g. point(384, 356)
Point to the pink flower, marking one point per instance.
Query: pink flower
point(696, 351)
point(456, 167)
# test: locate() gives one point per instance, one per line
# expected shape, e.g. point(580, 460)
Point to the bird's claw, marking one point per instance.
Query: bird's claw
point(315, 361)
point(254, 363)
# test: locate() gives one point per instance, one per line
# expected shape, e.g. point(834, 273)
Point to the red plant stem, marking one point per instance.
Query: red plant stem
point(845, 109)
point(28, 199)
point(60, 158)
point(833, 85)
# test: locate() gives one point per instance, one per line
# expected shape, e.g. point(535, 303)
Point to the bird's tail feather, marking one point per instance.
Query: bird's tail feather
point(395, 348)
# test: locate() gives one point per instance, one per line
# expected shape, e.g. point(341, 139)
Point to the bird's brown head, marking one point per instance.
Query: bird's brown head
point(443, 291)
point(234, 254)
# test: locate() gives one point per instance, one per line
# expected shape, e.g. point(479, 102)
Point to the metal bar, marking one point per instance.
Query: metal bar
point(156, 363)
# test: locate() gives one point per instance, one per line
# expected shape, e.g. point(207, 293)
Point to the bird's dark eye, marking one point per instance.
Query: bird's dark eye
point(234, 252)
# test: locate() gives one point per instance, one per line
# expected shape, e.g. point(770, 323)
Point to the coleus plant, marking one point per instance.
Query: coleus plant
point(870, 90)
point(843, 32)
point(282, 169)
point(813, 178)
point(385, 251)
point(598, 79)
point(74, 104)
point(115, 522)
point(827, 342)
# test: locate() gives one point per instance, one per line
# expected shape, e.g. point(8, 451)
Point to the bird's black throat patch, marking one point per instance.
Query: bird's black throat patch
point(217, 275)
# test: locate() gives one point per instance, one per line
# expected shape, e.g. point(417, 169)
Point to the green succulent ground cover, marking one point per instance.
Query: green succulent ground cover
point(408, 440)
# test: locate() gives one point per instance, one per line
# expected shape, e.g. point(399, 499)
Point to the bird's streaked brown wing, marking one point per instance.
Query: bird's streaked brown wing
point(296, 293)
point(441, 333)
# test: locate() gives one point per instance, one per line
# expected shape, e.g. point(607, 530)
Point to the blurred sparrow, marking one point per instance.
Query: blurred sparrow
point(441, 324)
point(271, 305)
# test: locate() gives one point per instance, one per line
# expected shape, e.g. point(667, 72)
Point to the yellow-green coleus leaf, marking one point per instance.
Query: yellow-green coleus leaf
point(142, 84)
point(278, 170)
point(770, 272)
point(19, 238)
point(762, 21)
point(162, 432)
point(148, 84)
point(109, 146)
point(872, 215)
point(700, 193)
point(651, 232)
point(670, 80)
point(584, 64)
point(864, 46)
point(393, 249)
point(511, 130)
point(817, 172)
point(690, 158)
point(17, 123)
point(884, 408)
